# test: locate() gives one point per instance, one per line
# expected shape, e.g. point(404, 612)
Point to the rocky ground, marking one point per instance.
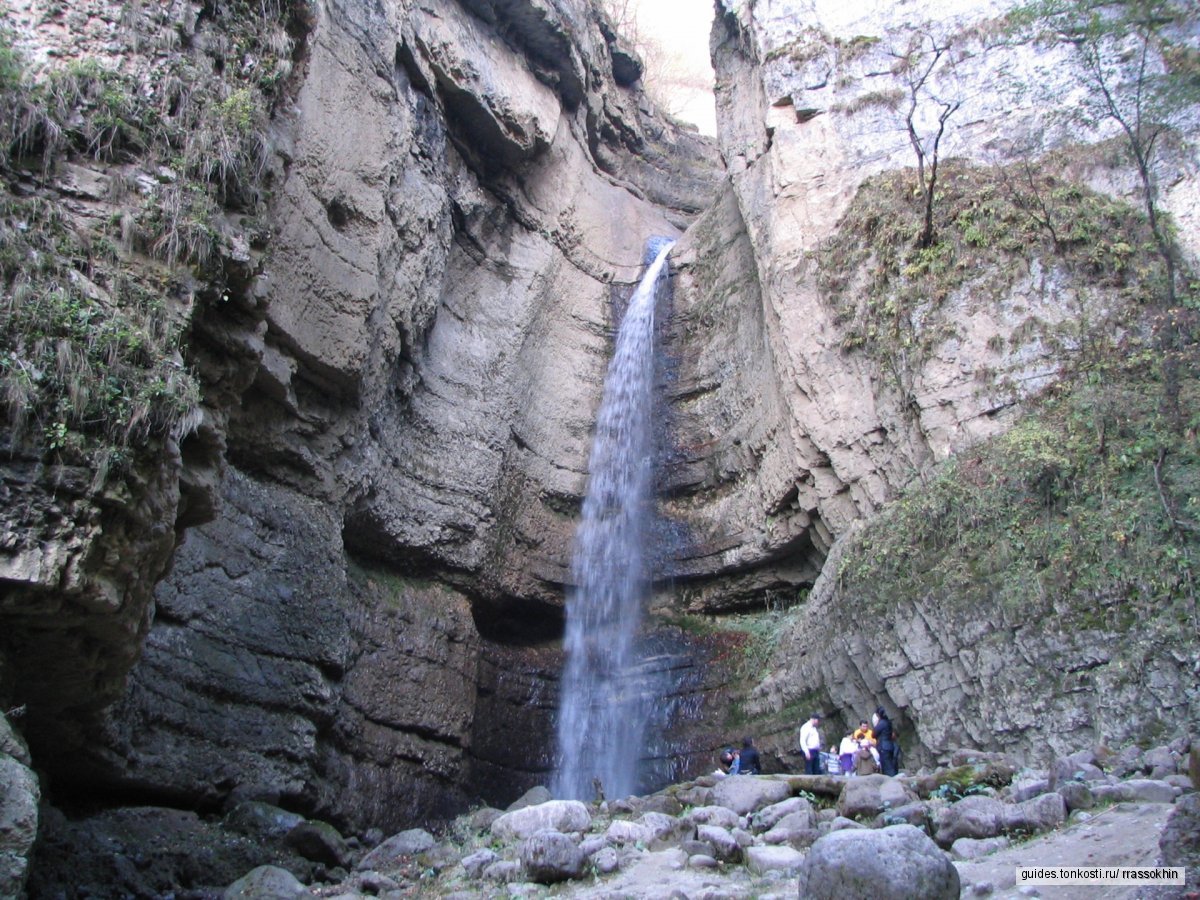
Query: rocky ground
point(960, 830)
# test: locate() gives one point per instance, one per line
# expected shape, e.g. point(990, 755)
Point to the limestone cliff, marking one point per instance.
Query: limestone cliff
point(398, 329)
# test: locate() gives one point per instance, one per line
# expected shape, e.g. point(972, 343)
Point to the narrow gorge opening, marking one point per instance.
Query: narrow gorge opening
point(606, 692)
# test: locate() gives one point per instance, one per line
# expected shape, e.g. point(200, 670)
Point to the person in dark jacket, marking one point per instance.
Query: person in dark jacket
point(749, 759)
point(885, 741)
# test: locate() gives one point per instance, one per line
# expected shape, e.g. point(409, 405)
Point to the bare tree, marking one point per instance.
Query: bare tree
point(917, 66)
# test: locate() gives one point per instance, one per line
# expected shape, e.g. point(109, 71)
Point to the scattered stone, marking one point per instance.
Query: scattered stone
point(535, 796)
point(606, 860)
point(261, 820)
point(666, 831)
point(1183, 782)
point(898, 862)
point(622, 831)
point(266, 883)
point(1148, 790)
point(971, 817)
point(20, 794)
point(1179, 843)
point(1034, 816)
point(724, 847)
point(475, 863)
point(1027, 788)
point(375, 883)
point(911, 813)
point(555, 815)
point(746, 793)
point(982, 888)
point(701, 861)
point(841, 822)
point(505, 871)
point(1076, 795)
point(972, 848)
point(388, 854)
point(792, 827)
point(761, 860)
point(717, 815)
point(551, 856)
point(320, 842)
point(766, 818)
point(872, 794)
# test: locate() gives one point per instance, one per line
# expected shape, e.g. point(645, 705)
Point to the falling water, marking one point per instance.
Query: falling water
point(604, 703)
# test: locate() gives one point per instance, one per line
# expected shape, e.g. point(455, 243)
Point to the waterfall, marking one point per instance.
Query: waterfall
point(604, 698)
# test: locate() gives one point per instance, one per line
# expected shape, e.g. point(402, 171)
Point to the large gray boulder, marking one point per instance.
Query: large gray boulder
point(873, 794)
point(765, 819)
point(406, 843)
point(895, 863)
point(971, 817)
point(1034, 816)
point(717, 815)
point(746, 793)
point(266, 883)
point(19, 797)
point(724, 845)
point(1179, 844)
point(556, 815)
point(551, 856)
point(761, 860)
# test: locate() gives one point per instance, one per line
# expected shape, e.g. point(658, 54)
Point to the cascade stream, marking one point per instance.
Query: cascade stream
point(604, 703)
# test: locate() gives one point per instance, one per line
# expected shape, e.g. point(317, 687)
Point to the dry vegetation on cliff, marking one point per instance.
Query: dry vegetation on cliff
point(99, 281)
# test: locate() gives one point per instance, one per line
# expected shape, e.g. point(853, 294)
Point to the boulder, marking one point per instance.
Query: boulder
point(261, 820)
point(1076, 795)
point(971, 817)
point(911, 813)
point(388, 854)
point(702, 861)
point(746, 793)
point(840, 822)
point(1183, 782)
point(535, 796)
point(695, 795)
point(1150, 790)
point(897, 862)
point(1027, 788)
point(20, 794)
point(972, 848)
point(715, 815)
point(666, 831)
point(765, 819)
point(796, 829)
point(606, 860)
point(761, 860)
point(1160, 762)
point(551, 856)
point(266, 883)
point(474, 863)
point(556, 815)
point(724, 846)
point(320, 842)
point(623, 831)
point(1034, 816)
point(871, 795)
point(1179, 843)
point(504, 871)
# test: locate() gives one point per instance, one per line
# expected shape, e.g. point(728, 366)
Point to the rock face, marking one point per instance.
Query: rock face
point(398, 403)
point(369, 532)
point(820, 426)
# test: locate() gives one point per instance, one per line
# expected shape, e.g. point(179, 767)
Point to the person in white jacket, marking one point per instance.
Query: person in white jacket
point(810, 745)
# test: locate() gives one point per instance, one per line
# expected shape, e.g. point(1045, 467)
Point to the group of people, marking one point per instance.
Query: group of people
point(868, 749)
point(740, 762)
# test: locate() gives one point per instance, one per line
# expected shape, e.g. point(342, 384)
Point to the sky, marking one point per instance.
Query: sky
point(681, 28)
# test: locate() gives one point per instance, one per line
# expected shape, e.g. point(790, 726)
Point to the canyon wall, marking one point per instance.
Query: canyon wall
point(799, 419)
point(338, 586)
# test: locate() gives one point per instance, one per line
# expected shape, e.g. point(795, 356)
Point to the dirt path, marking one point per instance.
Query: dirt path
point(1119, 835)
